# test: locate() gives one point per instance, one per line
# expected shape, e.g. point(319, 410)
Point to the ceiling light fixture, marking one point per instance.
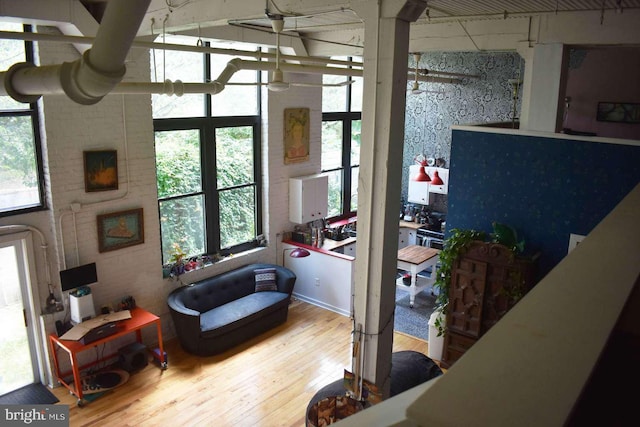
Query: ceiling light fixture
point(436, 179)
point(277, 83)
point(422, 175)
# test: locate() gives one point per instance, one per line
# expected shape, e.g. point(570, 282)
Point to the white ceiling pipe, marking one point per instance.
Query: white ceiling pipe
point(59, 38)
point(87, 80)
point(49, 83)
point(179, 88)
point(435, 79)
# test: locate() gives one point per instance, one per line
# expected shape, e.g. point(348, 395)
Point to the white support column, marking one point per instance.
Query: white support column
point(545, 70)
point(385, 81)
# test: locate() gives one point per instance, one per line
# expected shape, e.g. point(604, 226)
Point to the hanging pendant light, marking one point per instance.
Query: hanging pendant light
point(436, 179)
point(422, 175)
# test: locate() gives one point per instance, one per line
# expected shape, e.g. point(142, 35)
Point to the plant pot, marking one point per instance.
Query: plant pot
point(436, 343)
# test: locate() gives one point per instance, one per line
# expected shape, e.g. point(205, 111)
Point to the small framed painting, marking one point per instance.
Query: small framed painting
point(119, 230)
point(100, 170)
point(296, 135)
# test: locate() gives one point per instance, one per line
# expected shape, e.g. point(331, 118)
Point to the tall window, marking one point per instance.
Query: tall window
point(207, 159)
point(341, 129)
point(21, 173)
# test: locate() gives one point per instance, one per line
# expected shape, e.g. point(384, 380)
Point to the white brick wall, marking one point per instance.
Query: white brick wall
point(124, 123)
point(277, 182)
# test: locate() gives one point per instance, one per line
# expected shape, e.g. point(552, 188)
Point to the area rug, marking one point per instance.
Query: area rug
point(32, 394)
point(414, 321)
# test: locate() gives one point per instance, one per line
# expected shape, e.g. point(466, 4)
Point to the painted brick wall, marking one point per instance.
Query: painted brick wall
point(124, 123)
point(278, 174)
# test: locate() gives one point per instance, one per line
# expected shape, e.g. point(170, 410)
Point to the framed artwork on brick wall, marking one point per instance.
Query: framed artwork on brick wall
point(119, 230)
point(296, 135)
point(100, 170)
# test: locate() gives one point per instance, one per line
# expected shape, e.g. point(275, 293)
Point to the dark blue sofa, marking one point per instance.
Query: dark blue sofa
point(220, 312)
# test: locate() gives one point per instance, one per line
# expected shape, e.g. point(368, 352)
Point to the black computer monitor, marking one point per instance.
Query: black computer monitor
point(78, 276)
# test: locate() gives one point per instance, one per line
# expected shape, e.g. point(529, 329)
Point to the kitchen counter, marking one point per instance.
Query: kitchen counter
point(412, 225)
point(326, 276)
point(328, 247)
point(331, 245)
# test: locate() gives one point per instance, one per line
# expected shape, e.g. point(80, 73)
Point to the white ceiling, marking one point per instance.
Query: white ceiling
point(333, 27)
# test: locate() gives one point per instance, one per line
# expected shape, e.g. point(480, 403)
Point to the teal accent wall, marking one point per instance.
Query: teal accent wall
point(546, 188)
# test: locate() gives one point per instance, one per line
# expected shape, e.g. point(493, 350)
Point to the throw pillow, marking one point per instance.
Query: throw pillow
point(265, 279)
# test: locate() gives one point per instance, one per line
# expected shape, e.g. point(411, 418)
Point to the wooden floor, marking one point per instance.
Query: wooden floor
point(267, 381)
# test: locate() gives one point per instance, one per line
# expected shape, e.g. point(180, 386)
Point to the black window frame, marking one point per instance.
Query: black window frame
point(207, 126)
point(31, 111)
point(347, 117)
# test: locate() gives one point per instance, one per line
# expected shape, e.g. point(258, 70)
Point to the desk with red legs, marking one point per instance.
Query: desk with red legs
point(139, 319)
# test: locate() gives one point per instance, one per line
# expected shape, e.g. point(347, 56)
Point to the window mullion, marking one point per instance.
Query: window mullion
point(346, 166)
point(209, 186)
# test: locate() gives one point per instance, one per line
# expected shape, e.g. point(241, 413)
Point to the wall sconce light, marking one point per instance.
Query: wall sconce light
point(298, 253)
point(295, 253)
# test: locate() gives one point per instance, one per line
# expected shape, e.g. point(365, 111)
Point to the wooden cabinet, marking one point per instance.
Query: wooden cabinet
point(444, 176)
point(403, 237)
point(411, 237)
point(350, 249)
point(418, 191)
point(406, 236)
point(486, 281)
point(308, 198)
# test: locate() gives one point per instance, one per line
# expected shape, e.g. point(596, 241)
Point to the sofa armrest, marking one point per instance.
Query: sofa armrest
point(185, 320)
point(286, 279)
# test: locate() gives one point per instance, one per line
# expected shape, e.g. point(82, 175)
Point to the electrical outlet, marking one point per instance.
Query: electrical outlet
point(574, 240)
point(317, 281)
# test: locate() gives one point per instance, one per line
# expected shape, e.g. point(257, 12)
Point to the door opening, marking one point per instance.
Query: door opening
point(19, 363)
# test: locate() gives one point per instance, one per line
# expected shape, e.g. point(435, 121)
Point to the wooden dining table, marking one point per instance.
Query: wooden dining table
point(414, 259)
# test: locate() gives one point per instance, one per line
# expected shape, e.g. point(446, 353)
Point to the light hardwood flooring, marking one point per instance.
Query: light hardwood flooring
point(267, 381)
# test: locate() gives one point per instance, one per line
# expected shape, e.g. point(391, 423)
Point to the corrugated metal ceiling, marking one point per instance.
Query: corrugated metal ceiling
point(443, 10)
point(479, 8)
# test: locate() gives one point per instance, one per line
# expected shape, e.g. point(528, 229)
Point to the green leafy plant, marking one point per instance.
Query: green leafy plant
point(458, 240)
point(455, 242)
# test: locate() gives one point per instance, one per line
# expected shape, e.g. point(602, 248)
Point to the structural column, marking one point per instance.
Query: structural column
point(380, 180)
point(545, 70)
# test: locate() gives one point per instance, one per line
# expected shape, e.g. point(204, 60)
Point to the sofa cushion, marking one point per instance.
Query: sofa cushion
point(234, 314)
point(265, 279)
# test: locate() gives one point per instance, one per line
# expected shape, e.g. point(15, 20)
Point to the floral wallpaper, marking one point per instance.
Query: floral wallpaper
point(485, 99)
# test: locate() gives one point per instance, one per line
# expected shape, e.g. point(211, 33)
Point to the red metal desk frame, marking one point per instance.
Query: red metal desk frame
point(139, 319)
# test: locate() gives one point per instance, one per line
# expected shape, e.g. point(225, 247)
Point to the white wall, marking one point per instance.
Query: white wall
point(124, 123)
point(277, 173)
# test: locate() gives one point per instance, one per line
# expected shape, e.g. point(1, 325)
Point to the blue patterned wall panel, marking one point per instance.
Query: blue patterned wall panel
point(546, 188)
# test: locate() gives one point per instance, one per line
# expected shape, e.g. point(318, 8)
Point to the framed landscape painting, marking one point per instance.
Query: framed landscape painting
point(119, 230)
point(100, 170)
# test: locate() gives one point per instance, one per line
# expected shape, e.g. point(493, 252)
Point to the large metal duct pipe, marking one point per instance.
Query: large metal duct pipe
point(179, 88)
point(87, 80)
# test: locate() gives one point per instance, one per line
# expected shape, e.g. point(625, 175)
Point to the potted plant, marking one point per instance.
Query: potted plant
point(177, 260)
point(456, 241)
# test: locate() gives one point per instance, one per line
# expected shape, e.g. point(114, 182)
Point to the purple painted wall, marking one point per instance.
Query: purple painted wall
point(602, 75)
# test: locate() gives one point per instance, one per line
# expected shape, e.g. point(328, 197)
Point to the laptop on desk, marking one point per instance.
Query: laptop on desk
point(79, 331)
